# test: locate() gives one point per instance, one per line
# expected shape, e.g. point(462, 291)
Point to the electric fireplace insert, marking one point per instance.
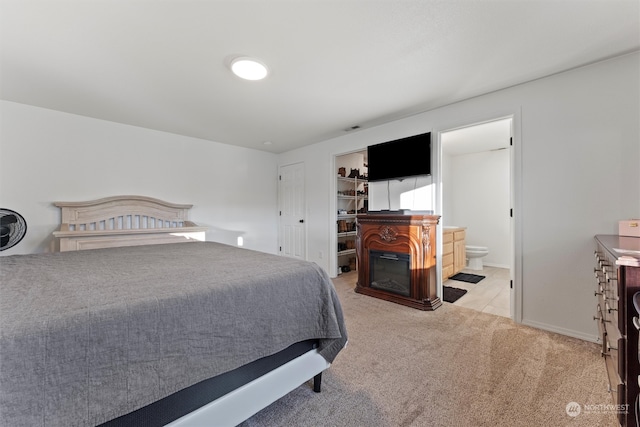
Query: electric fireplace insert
point(390, 272)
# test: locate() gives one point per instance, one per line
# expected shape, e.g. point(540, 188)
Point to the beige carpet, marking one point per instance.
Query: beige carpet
point(451, 367)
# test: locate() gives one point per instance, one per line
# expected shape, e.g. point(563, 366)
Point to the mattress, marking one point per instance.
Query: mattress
point(86, 337)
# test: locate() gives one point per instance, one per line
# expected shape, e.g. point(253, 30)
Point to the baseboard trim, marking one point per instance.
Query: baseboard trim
point(491, 264)
point(561, 331)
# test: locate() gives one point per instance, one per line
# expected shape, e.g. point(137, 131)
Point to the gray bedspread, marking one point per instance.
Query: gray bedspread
point(88, 336)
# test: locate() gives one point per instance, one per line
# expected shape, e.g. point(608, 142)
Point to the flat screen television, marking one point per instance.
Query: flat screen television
point(400, 158)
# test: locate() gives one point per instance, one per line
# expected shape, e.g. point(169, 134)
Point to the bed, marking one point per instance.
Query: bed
point(155, 331)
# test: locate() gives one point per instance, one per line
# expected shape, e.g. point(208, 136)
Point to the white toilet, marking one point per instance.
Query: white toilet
point(475, 255)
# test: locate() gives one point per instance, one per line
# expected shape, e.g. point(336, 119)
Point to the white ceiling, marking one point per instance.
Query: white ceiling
point(494, 135)
point(334, 63)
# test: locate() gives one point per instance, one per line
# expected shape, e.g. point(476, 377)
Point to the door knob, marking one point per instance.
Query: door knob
point(302, 220)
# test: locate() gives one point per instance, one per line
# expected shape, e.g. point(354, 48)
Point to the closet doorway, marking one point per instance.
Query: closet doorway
point(476, 171)
point(352, 198)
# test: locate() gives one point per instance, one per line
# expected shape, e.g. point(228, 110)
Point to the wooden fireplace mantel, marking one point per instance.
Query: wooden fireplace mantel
point(405, 234)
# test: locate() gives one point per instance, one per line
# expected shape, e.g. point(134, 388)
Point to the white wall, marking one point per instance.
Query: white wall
point(578, 143)
point(414, 193)
point(478, 193)
point(48, 156)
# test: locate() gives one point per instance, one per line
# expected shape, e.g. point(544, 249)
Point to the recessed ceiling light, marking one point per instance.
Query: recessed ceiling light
point(249, 68)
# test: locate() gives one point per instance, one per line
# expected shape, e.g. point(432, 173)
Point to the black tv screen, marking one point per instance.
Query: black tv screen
point(401, 158)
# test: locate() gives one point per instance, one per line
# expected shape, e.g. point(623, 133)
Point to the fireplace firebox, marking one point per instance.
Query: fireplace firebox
point(390, 272)
point(397, 258)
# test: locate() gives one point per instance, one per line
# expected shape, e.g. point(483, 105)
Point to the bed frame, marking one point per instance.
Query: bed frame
point(233, 397)
point(237, 406)
point(138, 220)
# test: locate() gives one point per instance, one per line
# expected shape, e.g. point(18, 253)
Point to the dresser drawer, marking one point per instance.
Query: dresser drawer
point(602, 330)
point(447, 237)
point(615, 307)
point(458, 235)
point(610, 311)
point(614, 350)
point(616, 386)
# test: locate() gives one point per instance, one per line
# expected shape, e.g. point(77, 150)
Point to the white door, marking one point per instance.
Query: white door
point(292, 225)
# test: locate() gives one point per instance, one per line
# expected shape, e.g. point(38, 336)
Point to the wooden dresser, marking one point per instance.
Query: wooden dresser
point(454, 254)
point(618, 279)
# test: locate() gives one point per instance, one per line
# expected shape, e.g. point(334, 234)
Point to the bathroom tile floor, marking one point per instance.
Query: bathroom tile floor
point(490, 295)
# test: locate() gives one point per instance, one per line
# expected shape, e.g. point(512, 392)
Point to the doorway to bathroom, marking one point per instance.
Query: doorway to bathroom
point(477, 192)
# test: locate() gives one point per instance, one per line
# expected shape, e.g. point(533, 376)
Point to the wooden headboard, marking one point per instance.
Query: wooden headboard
point(124, 221)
